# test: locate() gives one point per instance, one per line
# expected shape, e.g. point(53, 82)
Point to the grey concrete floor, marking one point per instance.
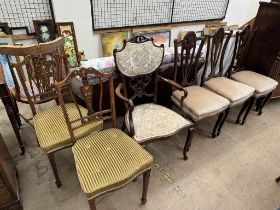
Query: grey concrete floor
point(233, 171)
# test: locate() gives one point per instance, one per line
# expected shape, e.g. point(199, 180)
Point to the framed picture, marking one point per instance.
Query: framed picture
point(160, 37)
point(111, 41)
point(4, 28)
point(67, 31)
point(44, 30)
point(7, 40)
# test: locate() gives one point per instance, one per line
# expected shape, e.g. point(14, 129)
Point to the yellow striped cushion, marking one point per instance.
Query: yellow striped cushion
point(51, 128)
point(107, 160)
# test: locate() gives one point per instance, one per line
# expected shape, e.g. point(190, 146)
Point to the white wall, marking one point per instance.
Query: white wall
point(79, 11)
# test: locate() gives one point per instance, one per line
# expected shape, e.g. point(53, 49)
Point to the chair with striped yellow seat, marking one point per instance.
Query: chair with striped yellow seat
point(52, 125)
point(105, 160)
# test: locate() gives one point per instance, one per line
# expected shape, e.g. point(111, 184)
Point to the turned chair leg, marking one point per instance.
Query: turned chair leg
point(146, 178)
point(277, 179)
point(188, 142)
point(250, 106)
point(91, 203)
point(245, 105)
point(215, 130)
point(223, 121)
point(54, 169)
point(263, 103)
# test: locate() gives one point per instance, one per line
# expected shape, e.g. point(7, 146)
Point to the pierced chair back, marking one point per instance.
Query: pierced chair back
point(90, 78)
point(242, 42)
point(186, 59)
point(35, 69)
point(216, 47)
point(137, 62)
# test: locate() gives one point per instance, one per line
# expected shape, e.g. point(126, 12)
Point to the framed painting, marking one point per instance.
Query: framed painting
point(5, 29)
point(111, 41)
point(67, 31)
point(160, 37)
point(44, 30)
point(7, 40)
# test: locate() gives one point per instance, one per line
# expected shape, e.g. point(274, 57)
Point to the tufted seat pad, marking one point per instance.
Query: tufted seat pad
point(200, 102)
point(107, 160)
point(155, 121)
point(262, 84)
point(51, 128)
point(235, 92)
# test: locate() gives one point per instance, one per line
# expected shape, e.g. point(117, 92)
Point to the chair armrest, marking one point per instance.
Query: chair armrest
point(129, 108)
point(178, 87)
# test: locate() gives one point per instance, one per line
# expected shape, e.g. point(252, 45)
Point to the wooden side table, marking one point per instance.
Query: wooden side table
point(9, 194)
point(11, 109)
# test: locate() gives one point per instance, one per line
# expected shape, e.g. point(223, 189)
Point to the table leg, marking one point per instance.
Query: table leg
point(10, 109)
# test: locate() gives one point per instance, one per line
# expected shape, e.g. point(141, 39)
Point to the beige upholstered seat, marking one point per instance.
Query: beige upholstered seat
point(262, 84)
point(155, 121)
point(51, 128)
point(200, 102)
point(107, 160)
point(235, 92)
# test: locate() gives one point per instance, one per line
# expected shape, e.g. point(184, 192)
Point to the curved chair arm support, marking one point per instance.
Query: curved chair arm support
point(129, 108)
point(177, 87)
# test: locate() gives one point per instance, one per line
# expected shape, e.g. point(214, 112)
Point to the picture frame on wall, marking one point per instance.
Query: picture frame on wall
point(67, 31)
point(44, 30)
point(7, 40)
point(4, 28)
point(160, 37)
point(111, 41)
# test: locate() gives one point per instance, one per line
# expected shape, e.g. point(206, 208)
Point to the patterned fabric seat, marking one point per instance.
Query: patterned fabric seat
point(262, 84)
point(51, 128)
point(200, 102)
point(235, 92)
point(107, 160)
point(155, 121)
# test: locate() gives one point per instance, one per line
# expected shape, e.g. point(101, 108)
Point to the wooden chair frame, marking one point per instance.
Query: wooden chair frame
point(139, 85)
point(216, 47)
point(242, 44)
point(188, 59)
point(64, 89)
point(36, 64)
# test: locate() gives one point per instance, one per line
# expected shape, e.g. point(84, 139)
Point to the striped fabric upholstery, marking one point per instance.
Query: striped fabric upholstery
point(51, 128)
point(107, 160)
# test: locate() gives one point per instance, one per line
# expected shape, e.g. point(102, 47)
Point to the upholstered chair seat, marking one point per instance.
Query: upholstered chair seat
point(200, 102)
point(262, 84)
point(154, 121)
point(107, 160)
point(51, 128)
point(235, 92)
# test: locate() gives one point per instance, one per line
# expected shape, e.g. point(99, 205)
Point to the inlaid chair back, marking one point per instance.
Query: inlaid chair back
point(137, 62)
point(90, 78)
point(216, 47)
point(35, 69)
point(187, 53)
point(241, 47)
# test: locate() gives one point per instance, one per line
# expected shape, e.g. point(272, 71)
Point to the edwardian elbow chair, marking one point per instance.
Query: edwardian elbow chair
point(214, 80)
point(263, 85)
point(106, 160)
point(34, 70)
point(200, 102)
point(137, 63)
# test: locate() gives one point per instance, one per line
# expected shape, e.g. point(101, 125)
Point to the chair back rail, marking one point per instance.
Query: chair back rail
point(188, 58)
point(137, 63)
point(35, 70)
point(216, 47)
point(242, 43)
point(64, 88)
